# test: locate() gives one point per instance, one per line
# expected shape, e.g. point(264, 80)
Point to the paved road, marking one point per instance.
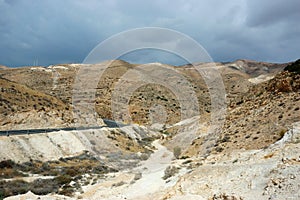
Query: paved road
point(108, 123)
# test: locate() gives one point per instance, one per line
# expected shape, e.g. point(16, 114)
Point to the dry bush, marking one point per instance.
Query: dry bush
point(137, 176)
point(170, 171)
point(177, 152)
point(225, 197)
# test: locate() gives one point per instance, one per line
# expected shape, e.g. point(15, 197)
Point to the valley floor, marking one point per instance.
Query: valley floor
point(270, 173)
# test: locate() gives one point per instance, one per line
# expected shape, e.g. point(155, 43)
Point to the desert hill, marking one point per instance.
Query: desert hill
point(57, 81)
point(255, 155)
point(23, 107)
point(260, 117)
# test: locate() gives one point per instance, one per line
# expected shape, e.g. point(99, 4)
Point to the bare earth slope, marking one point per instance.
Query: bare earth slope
point(23, 107)
point(57, 81)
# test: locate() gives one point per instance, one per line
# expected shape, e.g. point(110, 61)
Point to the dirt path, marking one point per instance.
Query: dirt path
point(151, 181)
point(152, 173)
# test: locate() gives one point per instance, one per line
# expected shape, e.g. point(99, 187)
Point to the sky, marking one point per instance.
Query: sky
point(49, 32)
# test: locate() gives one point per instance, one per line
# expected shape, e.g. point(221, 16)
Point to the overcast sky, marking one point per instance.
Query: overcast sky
point(65, 31)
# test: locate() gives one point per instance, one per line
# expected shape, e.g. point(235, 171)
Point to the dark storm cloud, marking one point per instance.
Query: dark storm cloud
point(50, 32)
point(54, 31)
point(267, 13)
point(262, 30)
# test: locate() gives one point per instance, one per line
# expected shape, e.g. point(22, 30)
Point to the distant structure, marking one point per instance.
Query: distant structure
point(36, 62)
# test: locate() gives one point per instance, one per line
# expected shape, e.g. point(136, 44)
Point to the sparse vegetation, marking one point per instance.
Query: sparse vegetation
point(255, 120)
point(64, 171)
point(118, 184)
point(281, 133)
point(177, 152)
point(144, 156)
point(16, 187)
point(219, 149)
point(137, 176)
point(225, 197)
point(170, 171)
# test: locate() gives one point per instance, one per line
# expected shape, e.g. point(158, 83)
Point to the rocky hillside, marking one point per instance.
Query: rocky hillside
point(56, 84)
point(254, 156)
point(258, 118)
point(23, 107)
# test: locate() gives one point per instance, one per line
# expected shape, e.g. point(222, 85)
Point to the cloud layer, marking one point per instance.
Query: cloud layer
point(53, 31)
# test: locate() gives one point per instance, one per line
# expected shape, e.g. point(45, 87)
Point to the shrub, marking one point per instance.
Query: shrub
point(219, 149)
point(144, 156)
point(177, 152)
point(71, 172)
point(118, 184)
point(27, 166)
point(63, 179)
point(13, 188)
point(7, 164)
point(44, 186)
point(169, 172)
point(1, 194)
point(67, 191)
point(225, 197)
point(100, 169)
point(137, 176)
point(226, 138)
point(281, 133)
